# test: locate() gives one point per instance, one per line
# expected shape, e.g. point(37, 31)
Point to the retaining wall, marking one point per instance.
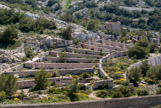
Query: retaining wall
point(83, 51)
point(70, 60)
point(62, 72)
point(59, 65)
point(132, 102)
point(30, 83)
point(74, 55)
point(153, 61)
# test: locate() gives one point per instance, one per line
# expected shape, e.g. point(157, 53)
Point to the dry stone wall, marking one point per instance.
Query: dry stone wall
point(153, 61)
point(62, 72)
point(132, 102)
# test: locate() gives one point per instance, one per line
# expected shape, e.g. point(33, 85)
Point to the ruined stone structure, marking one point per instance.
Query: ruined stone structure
point(72, 60)
point(113, 26)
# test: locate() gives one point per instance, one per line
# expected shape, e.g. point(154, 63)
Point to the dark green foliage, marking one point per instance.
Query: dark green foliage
point(159, 91)
point(103, 93)
point(103, 86)
point(13, 1)
point(123, 91)
point(29, 52)
point(41, 80)
point(72, 90)
point(117, 94)
point(9, 16)
point(127, 91)
point(142, 92)
point(92, 25)
point(82, 87)
point(2, 96)
point(52, 2)
point(8, 84)
point(28, 24)
point(9, 35)
point(142, 43)
point(144, 67)
point(67, 33)
point(152, 48)
point(134, 74)
point(137, 52)
point(154, 73)
point(85, 75)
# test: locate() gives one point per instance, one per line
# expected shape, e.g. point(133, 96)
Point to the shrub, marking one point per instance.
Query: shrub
point(117, 94)
point(137, 52)
point(159, 91)
point(145, 67)
point(67, 33)
point(41, 80)
point(72, 90)
point(102, 93)
point(2, 95)
point(29, 52)
point(8, 84)
point(85, 75)
point(54, 90)
point(142, 92)
point(9, 35)
point(126, 91)
point(116, 76)
point(134, 75)
point(82, 87)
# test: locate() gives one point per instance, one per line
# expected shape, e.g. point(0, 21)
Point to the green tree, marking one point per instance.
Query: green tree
point(142, 43)
point(67, 33)
point(134, 75)
point(137, 52)
point(152, 48)
point(8, 84)
point(126, 91)
point(92, 25)
point(73, 89)
point(145, 67)
point(117, 94)
point(9, 35)
point(41, 80)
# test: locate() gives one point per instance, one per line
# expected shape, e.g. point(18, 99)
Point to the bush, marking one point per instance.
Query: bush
point(142, 92)
point(9, 35)
point(2, 95)
point(117, 94)
point(85, 75)
point(54, 90)
point(126, 91)
point(144, 67)
point(72, 90)
point(41, 80)
point(82, 87)
point(8, 84)
point(137, 52)
point(154, 73)
point(67, 33)
point(29, 52)
point(134, 75)
point(102, 93)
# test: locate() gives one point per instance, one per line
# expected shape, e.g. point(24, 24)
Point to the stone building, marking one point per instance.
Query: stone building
point(113, 26)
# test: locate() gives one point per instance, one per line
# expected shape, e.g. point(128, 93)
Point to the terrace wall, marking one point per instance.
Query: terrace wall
point(59, 65)
point(62, 72)
point(132, 102)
